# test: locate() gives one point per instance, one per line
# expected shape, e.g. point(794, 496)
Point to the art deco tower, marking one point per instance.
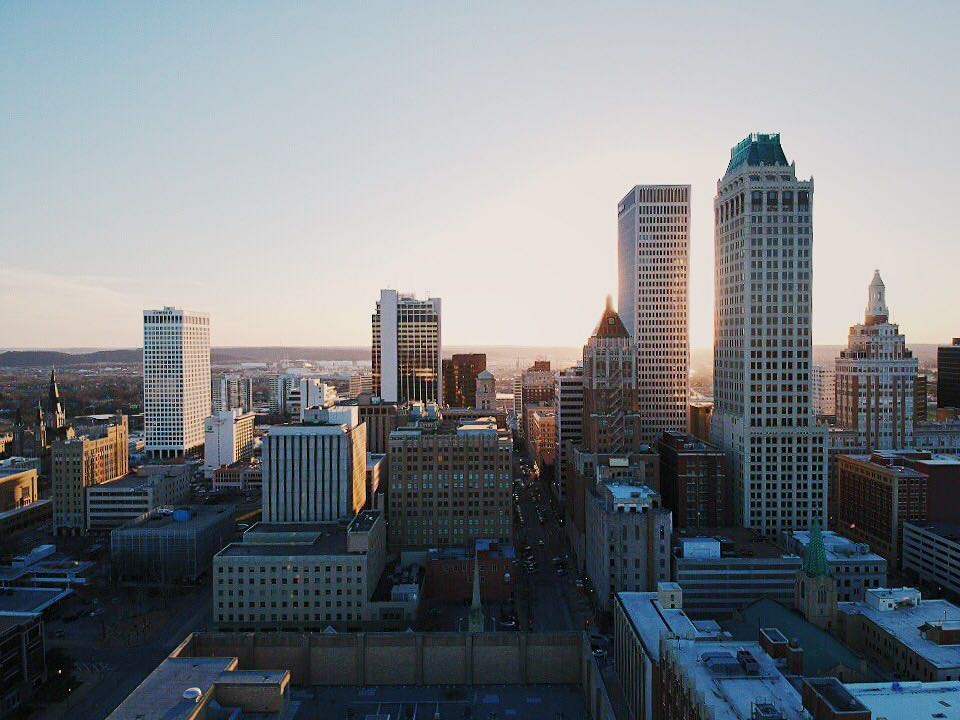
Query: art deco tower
point(763, 416)
point(875, 378)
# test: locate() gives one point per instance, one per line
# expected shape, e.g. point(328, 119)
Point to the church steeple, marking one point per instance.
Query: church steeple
point(56, 416)
point(877, 301)
point(815, 558)
point(476, 609)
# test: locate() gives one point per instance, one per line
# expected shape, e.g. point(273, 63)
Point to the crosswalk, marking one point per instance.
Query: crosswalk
point(93, 668)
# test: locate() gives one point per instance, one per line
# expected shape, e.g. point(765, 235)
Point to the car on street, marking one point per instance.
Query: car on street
point(540, 542)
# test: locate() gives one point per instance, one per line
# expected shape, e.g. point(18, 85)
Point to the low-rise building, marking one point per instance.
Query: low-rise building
point(627, 540)
point(308, 576)
point(543, 437)
point(852, 565)
point(724, 680)
point(111, 504)
point(726, 569)
point(912, 638)
point(170, 547)
point(449, 573)
point(239, 476)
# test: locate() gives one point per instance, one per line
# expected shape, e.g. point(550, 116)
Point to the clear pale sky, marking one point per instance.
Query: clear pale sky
point(275, 165)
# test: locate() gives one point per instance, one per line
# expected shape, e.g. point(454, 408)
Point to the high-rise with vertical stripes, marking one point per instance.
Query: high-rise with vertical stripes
point(654, 260)
point(763, 411)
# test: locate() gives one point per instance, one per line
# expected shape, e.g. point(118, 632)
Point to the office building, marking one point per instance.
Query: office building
point(376, 480)
point(931, 553)
point(694, 483)
point(176, 380)
point(723, 570)
point(906, 635)
point(460, 379)
point(308, 576)
point(81, 462)
point(854, 567)
point(170, 547)
point(701, 411)
point(763, 412)
point(23, 667)
point(486, 395)
point(315, 471)
point(18, 487)
point(518, 405)
point(380, 418)
point(920, 399)
point(543, 438)
point(948, 375)
point(406, 348)
point(361, 383)
point(281, 386)
point(875, 378)
point(20, 506)
point(725, 679)
point(539, 384)
point(230, 391)
point(829, 699)
point(627, 540)
point(823, 387)
point(450, 482)
point(229, 439)
point(241, 476)
point(569, 426)
point(611, 415)
point(654, 262)
point(114, 503)
point(306, 393)
point(878, 493)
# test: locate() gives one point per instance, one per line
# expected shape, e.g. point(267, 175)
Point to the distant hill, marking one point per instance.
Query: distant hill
point(53, 358)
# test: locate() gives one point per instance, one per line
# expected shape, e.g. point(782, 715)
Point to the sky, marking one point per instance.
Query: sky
point(276, 164)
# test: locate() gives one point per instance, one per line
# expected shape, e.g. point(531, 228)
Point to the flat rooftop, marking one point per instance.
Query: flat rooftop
point(651, 621)
point(948, 531)
point(160, 695)
point(915, 700)
point(26, 601)
point(454, 702)
point(735, 543)
point(904, 624)
point(838, 547)
point(201, 516)
point(302, 540)
point(730, 693)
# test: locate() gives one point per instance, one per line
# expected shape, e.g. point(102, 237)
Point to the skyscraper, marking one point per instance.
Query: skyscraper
point(763, 414)
point(406, 348)
point(823, 386)
point(569, 425)
point(610, 400)
point(875, 378)
point(653, 260)
point(460, 378)
point(176, 380)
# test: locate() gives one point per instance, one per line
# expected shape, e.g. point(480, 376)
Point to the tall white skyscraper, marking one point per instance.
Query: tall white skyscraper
point(176, 380)
point(876, 376)
point(406, 348)
point(653, 260)
point(763, 412)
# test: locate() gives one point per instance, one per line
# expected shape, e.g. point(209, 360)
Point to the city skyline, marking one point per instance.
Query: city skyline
point(115, 171)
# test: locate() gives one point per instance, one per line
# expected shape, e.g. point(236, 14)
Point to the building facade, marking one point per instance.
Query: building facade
point(763, 413)
point(449, 484)
point(231, 391)
point(486, 395)
point(460, 379)
point(875, 377)
point(654, 262)
point(112, 504)
point(176, 380)
point(229, 439)
point(569, 426)
point(694, 483)
point(823, 387)
point(84, 461)
point(948, 375)
point(316, 471)
point(406, 348)
point(627, 540)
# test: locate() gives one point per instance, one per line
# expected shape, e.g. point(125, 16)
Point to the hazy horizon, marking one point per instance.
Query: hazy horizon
point(276, 165)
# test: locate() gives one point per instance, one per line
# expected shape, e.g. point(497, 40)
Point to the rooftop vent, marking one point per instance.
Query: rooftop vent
point(193, 694)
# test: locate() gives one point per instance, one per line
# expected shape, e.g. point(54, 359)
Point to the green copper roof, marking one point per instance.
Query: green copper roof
point(815, 558)
point(756, 149)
